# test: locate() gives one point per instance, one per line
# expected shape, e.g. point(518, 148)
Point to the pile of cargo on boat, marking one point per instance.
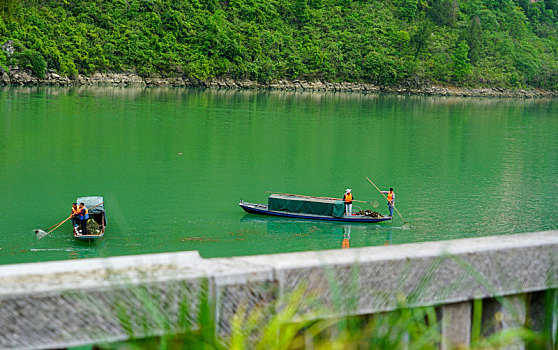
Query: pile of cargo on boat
point(93, 228)
point(373, 214)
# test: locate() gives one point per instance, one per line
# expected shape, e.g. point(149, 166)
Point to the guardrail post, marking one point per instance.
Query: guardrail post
point(542, 313)
point(456, 325)
point(504, 313)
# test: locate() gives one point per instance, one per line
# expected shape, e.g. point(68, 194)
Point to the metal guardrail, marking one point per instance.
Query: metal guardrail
point(70, 303)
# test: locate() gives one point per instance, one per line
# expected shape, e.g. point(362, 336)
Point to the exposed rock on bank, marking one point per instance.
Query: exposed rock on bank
point(20, 77)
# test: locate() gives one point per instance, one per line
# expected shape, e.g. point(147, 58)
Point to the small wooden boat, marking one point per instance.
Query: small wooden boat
point(97, 222)
point(305, 207)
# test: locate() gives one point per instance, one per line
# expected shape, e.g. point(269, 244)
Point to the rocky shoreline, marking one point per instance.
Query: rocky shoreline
point(20, 77)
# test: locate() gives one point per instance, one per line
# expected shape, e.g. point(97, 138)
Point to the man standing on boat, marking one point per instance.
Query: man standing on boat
point(391, 200)
point(83, 216)
point(75, 215)
point(348, 199)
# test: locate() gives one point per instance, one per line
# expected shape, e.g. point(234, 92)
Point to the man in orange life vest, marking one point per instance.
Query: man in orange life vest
point(391, 200)
point(75, 215)
point(348, 199)
point(83, 216)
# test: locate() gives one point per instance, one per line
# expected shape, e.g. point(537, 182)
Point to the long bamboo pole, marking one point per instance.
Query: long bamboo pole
point(386, 199)
point(60, 224)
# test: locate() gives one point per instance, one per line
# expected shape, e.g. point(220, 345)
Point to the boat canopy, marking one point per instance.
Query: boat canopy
point(306, 204)
point(91, 202)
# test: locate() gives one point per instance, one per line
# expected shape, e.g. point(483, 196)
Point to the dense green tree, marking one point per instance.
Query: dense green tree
point(498, 42)
point(443, 12)
point(461, 64)
point(421, 36)
point(407, 8)
point(33, 60)
point(6, 7)
point(473, 36)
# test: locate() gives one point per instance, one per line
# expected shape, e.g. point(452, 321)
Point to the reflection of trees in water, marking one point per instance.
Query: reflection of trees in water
point(269, 96)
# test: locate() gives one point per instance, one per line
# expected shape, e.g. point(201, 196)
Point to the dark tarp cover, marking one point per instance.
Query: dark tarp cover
point(307, 205)
point(91, 202)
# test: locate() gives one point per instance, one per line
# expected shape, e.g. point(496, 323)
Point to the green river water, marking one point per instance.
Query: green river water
point(172, 165)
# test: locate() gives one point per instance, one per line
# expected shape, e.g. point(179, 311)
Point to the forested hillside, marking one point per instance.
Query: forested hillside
point(503, 43)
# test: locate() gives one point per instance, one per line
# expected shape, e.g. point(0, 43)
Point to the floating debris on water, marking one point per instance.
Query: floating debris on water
point(199, 239)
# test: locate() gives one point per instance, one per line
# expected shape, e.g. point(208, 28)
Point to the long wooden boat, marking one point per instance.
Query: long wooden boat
point(96, 227)
point(305, 207)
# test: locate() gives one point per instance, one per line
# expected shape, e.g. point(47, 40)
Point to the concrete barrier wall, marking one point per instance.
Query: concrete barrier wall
point(69, 303)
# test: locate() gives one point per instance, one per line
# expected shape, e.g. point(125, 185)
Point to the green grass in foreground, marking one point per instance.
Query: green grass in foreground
point(261, 328)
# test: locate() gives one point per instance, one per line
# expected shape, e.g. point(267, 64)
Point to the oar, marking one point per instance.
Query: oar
point(42, 233)
point(386, 199)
